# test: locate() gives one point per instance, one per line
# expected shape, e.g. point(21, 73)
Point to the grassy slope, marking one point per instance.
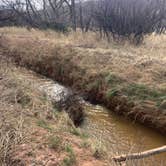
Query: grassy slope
point(127, 79)
point(32, 131)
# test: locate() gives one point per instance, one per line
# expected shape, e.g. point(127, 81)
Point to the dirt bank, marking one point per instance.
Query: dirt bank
point(136, 91)
point(34, 132)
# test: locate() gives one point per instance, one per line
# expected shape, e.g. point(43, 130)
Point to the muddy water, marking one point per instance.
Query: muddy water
point(120, 135)
point(115, 133)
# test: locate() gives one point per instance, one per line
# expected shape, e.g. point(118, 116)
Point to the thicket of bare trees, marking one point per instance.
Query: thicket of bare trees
point(130, 18)
point(38, 13)
point(112, 18)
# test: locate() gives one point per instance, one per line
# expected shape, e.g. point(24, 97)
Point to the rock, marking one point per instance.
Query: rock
point(163, 105)
point(74, 109)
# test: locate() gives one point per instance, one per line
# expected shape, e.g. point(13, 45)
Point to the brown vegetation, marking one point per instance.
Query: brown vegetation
point(127, 79)
point(32, 131)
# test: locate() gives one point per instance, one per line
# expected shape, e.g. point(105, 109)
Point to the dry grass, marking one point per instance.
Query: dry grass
point(31, 129)
point(103, 70)
point(18, 103)
point(30, 123)
point(11, 121)
point(144, 64)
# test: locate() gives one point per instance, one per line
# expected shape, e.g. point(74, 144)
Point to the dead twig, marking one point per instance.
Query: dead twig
point(140, 155)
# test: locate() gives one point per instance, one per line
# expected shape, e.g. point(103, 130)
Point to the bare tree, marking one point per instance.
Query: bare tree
point(119, 19)
point(129, 18)
point(85, 12)
point(45, 14)
point(72, 9)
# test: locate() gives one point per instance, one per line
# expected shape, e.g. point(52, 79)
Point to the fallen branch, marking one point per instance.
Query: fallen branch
point(140, 155)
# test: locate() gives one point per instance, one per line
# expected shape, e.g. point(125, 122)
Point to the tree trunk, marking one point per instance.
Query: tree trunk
point(81, 17)
point(73, 14)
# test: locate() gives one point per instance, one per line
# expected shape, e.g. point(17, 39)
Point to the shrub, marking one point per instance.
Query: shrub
point(71, 159)
point(54, 142)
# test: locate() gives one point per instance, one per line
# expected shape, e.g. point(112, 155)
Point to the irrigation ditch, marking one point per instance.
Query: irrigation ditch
point(114, 133)
point(92, 87)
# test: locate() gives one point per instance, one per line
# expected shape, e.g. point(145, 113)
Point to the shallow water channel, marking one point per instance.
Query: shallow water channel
point(115, 133)
point(120, 135)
